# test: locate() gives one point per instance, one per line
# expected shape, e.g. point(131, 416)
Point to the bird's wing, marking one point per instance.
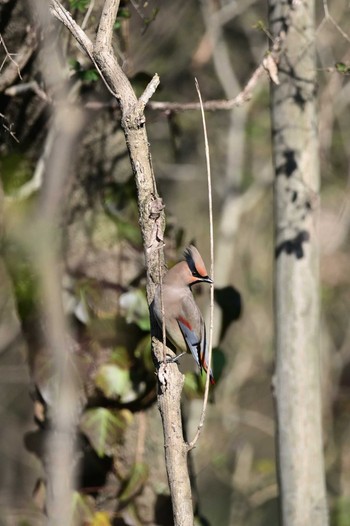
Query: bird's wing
point(193, 329)
point(191, 339)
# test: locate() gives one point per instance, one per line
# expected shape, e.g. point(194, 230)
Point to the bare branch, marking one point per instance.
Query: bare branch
point(35, 183)
point(10, 74)
point(214, 105)
point(87, 14)
point(65, 17)
point(105, 62)
point(176, 450)
point(24, 87)
point(8, 127)
point(9, 56)
point(105, 28)
point(149, 92)
point(329, 17)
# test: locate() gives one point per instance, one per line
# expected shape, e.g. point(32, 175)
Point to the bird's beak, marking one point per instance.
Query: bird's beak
point(207, 279)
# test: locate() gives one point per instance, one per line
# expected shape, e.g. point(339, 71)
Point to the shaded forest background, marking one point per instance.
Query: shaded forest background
point(120, 449)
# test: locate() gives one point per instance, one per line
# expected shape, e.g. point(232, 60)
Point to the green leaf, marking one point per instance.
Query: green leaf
point(25, 280)
point(81, 5)
point(143, 351)
point(260, 25)
point(195, 382)
point(112, 380)
point(90, 75)
point(124, 12)
point(120, 357)
point(138, 477)
point(191, 386)
point(135, 308)
point(87, 75)
point(342, 512)
point(342, 68)
point(103, 428)
point(74, 64)
point(129, 231)
point(15, 171)
point(151, 18)
point(218, 362)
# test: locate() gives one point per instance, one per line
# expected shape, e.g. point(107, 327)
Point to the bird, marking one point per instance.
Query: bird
point(184, 323)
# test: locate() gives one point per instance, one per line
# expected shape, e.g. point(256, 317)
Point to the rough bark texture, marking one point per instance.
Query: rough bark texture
point(297, 382)
point(176, 449)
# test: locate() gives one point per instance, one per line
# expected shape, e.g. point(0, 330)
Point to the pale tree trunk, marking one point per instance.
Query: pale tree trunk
point(297, 381)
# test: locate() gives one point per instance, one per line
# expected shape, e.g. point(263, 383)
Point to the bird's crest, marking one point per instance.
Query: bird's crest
point(195, 262)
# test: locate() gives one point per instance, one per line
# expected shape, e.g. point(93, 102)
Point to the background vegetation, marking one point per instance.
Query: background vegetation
point(120, 448)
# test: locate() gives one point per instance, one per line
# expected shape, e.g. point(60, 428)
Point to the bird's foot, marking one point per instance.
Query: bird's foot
point(175, 358)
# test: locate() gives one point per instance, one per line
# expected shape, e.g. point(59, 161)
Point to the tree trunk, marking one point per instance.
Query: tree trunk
point(297, 382)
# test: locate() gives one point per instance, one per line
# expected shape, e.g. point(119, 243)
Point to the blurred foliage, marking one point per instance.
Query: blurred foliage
point(341, 513)
point(135, 482)
point(87, 75)
point(123, 13)
point(103, 276)
point(15, 169)
point(81, 5)
point(103, 428)
point(342, 68)
point(24, 278)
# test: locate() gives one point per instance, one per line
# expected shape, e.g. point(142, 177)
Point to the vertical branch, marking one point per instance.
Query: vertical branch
point(105, 27)
point(66, 125)
point(297, 381)
point(176, 449)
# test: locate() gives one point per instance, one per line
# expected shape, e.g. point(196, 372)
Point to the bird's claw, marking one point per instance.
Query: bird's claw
point(175, 359)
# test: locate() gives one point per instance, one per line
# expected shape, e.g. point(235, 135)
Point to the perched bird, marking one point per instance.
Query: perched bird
point(184, 323)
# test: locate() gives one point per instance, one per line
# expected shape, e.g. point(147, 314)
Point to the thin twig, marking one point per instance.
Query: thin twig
point(24, 87)
point(110, 65)
point(149, 91)
point(9, 56)
point(65, 17)
point(192, 444)
point(329, 17)
point(8, 128)
point(35, 183)
point(87, 14)
point(162, 308)
point(141, 435)
point(214, 105)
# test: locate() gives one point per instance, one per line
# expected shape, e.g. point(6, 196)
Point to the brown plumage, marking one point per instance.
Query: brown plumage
point(184, 323)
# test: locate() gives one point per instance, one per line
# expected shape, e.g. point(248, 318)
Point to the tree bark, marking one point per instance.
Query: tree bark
point(176, 449)
point(297, 181)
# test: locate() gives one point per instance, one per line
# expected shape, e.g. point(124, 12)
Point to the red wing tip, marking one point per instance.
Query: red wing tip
point(212, 381)
point(185, 322)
